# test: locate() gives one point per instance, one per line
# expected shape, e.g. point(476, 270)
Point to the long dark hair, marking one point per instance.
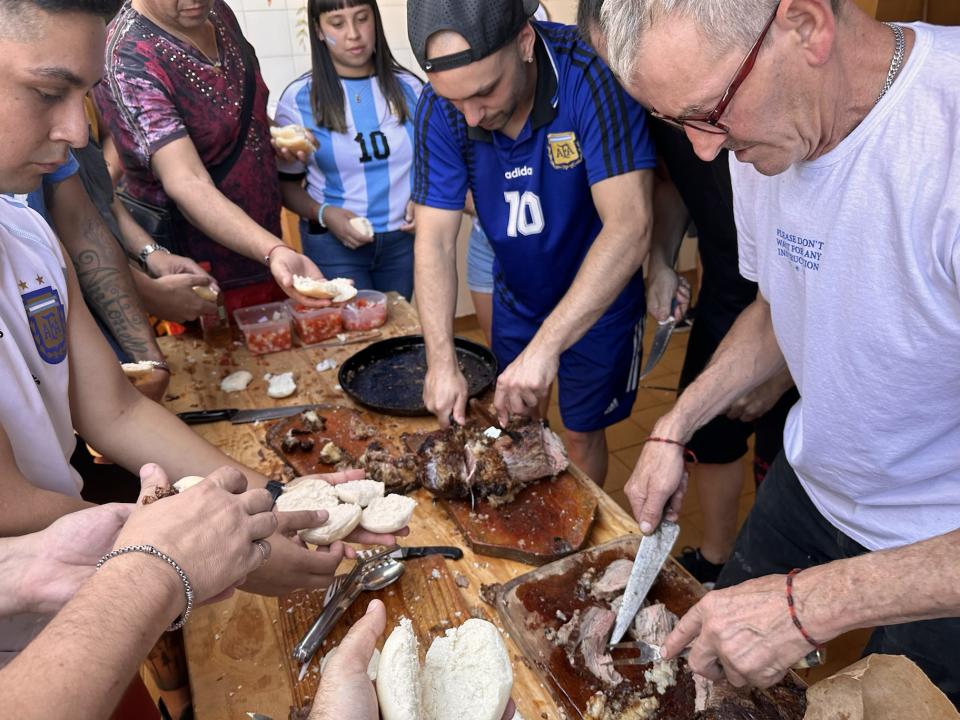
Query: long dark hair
point(326, 96)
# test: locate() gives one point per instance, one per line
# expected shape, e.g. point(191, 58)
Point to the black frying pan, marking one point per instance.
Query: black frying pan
point(388, 375)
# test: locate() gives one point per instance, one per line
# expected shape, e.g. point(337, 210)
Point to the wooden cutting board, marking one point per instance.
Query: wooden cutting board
point(548, 520)
point(341, 425)
point(426, 593)
point(530, 603)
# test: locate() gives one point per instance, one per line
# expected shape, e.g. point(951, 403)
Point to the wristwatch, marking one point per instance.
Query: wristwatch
point(148, 250)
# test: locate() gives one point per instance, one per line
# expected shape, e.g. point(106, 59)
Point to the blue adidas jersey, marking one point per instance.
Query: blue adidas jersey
point(367, 169)
point(533, 194)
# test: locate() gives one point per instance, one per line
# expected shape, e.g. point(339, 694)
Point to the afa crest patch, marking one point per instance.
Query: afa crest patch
point(48, 324)
point(564, 150)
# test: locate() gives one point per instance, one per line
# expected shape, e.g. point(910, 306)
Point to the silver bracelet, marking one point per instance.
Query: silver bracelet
point(151, 550)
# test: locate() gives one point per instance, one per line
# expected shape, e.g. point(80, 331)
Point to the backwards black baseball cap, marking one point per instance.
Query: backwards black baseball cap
point(487, 25)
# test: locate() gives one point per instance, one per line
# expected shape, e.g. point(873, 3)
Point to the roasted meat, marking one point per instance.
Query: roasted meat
point(613, 581)
point(595, 627)
point(399, 474)
point(466, 462)
point(653, 623)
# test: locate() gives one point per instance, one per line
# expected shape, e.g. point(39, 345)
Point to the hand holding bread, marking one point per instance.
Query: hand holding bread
point(210, 530)
point(350, 229)
point(293, 141)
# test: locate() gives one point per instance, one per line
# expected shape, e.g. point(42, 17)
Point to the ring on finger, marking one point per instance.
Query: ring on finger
point(264, 547)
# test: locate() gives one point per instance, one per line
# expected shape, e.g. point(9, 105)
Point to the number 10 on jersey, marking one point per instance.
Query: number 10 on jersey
point(526, 214)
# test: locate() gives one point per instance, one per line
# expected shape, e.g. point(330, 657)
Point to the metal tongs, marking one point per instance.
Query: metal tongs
point(334, 606)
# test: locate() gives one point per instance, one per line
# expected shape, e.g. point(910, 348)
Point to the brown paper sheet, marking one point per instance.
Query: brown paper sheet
point(878, 687)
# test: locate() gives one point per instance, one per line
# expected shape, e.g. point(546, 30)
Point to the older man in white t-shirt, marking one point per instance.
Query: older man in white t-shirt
point(847, 186)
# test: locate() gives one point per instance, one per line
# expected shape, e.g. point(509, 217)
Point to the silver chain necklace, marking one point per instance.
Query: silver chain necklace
point(897, 62)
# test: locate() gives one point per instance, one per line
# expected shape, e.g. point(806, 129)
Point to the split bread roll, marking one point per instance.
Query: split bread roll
point(187, 482)
point(388, 514)
point(360, 492)
point(205, 292)
point(293, 138)
point(338, 290)
point(236, 382)
point(343, 520)
point(398, 675)
point(466, 675)
point(137, 369)
point(308, 494)
point(362, 226)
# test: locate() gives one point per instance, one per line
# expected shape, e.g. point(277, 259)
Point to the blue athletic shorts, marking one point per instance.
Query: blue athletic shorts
point(479, 261)
point(598, 375)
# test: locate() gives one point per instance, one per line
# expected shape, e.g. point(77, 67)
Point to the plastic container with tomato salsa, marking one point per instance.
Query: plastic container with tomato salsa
point(315, 324)
point(266, 328)
point(368, 310)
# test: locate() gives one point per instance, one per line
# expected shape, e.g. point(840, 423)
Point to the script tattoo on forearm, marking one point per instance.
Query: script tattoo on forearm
point(109, 291)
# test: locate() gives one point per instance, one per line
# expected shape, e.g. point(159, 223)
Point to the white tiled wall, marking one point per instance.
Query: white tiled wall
point(284, 50)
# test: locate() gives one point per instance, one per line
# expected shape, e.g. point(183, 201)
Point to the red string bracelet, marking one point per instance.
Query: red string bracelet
point(688, 454)
point(266, 258)
point(793, 610)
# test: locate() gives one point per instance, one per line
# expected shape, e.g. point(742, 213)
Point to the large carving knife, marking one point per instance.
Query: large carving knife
point(653, 553)
point(660, 341)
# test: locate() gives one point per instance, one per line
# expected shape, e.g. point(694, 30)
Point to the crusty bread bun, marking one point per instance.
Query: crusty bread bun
point(388, 514)
point(360, 492)
point(362, 226)
point(343, 520)
point(307, 494)
point(205, 292)
point(137, 369)
point(293, 138)
point(466, 675)
point(338, 290)
point(236, 382)
point(398, 676)
point(187, 482)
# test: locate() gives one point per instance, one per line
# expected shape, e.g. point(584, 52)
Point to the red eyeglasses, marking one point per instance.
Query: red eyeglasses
point(710, 122)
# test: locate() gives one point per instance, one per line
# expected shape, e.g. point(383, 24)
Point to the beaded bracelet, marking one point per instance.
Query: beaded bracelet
point(323, 207)
point(688, 454)
point(151, 550)
point(793, 610)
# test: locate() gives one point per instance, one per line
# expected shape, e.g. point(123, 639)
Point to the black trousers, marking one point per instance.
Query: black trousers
point(785, 531)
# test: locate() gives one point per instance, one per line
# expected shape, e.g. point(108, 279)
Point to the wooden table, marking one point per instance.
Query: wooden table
point(234, 648)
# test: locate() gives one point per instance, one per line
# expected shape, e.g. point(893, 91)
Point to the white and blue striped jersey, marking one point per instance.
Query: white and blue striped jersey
point(367, 169)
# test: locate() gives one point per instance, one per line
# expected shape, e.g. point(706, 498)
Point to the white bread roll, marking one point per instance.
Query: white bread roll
point(187, 482)
point(372, 666)
point(236, 382)
point(362, 226)
point(467, 674)
point(293, 138)
point(388, 514)
point(205, 292)
point(339, 290)
point(343, 520)
point(137, 369)
point(307, 494)
point(281, 385)
point(398, 677)
point(360, 492)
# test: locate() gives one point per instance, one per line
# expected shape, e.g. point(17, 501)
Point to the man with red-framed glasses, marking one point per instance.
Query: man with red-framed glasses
point(848, 216)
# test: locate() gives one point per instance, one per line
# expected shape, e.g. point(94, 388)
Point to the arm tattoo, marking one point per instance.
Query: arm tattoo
point(109, 290)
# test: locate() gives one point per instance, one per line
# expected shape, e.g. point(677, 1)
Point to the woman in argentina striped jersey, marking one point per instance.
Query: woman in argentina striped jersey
point(358, 103)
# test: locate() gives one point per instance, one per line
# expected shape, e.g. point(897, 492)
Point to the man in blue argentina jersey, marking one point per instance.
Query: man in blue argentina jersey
point(556, 155)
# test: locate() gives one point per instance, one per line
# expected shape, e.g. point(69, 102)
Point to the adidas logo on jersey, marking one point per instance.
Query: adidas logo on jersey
point(525, 171)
